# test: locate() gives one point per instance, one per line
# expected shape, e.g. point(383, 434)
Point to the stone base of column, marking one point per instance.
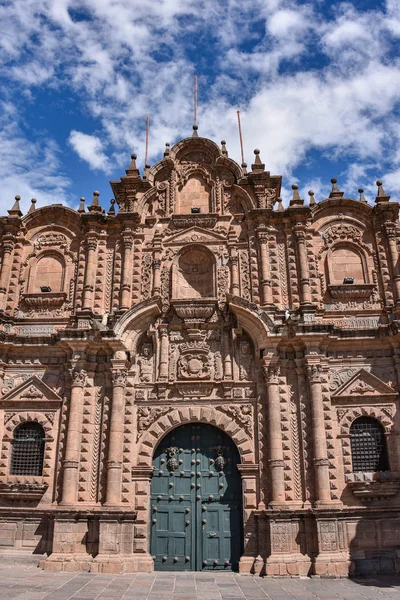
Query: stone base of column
point(333, 564)
point(249, 565)
point(122, 563)
point(67, 562)
point(292, 565)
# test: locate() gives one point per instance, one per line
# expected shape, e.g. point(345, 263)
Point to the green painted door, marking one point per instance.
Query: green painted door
point(196, 513)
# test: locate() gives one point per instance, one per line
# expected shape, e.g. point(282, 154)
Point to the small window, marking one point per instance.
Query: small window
point(27, 449)
point(368, 446)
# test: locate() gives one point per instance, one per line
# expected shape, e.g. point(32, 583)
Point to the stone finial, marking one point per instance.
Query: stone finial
point(95, 206)
point(223, 148)
point(111, 210)
point(32, 206)
point(335, 193)
point(133, 171)
point(81, 208)
point(195, 129)
point(166, 151)
point(146, 171)
point(244, 168)
point(16, 209)
point(362, 197)
point(280, 205)
point(296, 200)
point(381, 196)
point(312, 199)
point(257, 165)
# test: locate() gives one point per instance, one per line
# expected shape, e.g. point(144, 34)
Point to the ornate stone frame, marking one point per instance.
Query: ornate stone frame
point(147, 443)
point(12, 419)
point(346, 416)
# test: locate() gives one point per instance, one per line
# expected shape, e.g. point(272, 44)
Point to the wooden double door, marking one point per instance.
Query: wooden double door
point(196, 501)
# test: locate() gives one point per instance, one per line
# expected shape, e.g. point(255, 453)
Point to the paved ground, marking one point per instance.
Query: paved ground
point(30, 583)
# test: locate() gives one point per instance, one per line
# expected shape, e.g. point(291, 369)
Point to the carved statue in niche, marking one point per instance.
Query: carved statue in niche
point(245, 361)
point(145, 362)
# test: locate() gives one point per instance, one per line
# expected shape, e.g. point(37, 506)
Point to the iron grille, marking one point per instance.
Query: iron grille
point(368, 446)
point(27, 450)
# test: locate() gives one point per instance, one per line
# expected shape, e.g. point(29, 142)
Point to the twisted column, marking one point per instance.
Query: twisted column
point(275, 461)
point(8, 247)
point(115, 444)
point(126, 278)
point(320, 453)
point(88, 286)
point(74, 436)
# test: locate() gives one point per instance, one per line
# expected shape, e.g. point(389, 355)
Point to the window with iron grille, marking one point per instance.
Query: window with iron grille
point(27, 449)
point(368, 446)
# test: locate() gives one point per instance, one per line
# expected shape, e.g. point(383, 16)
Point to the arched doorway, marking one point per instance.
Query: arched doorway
point(196, 501)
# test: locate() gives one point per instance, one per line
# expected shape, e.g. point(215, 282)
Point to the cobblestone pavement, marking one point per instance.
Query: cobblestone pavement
point(30, 583)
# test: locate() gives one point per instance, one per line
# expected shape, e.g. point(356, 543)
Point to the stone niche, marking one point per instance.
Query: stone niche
point(194, 274)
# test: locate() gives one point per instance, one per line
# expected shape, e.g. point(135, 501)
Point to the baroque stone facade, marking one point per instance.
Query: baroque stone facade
point(199, 299)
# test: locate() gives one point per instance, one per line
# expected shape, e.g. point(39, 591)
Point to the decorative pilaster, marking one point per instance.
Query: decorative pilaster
point(266, 290)
point(300, 236)
point(115, 445)
point(274, 433)
point(8, 247)
point(73, 440)
point(320, 455)
point(90, 272)
point(127, 243)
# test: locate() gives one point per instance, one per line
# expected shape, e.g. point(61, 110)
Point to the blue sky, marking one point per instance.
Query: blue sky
point(317, 83)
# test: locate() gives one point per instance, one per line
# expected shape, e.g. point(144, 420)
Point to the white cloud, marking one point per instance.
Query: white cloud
point(89, 148)
point(124, 60)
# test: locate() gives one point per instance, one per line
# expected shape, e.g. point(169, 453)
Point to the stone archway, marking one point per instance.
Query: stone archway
point(142, 474)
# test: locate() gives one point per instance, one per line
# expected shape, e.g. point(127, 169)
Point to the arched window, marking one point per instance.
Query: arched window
point(27, 449)
point(368, 446)
point(49, 273)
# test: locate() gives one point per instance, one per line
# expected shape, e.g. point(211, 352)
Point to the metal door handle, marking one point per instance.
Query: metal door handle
point(212, 534)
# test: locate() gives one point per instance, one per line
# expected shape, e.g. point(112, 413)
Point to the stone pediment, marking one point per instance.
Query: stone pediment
point(363, 386)
point(32, 393)
point(196, 235)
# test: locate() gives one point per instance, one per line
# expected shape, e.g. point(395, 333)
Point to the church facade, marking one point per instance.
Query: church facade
point(201, 379)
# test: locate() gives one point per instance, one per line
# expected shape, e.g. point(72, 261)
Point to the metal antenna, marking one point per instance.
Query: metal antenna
point(240, 136)
point(195, 101)
point(146, 158)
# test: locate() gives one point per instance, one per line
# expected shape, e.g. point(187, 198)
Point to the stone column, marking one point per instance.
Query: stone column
point(320, 455)
point(235, 287)
point(300, 236)
point(164, 346)
point(156, 274)
point(74, 435)
point(8, 247)
point(390, 230)
point(266, 291)
point(115, 444)
point(126, 271)
point(227, 359)
point(274, 433)
point(90, 273)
